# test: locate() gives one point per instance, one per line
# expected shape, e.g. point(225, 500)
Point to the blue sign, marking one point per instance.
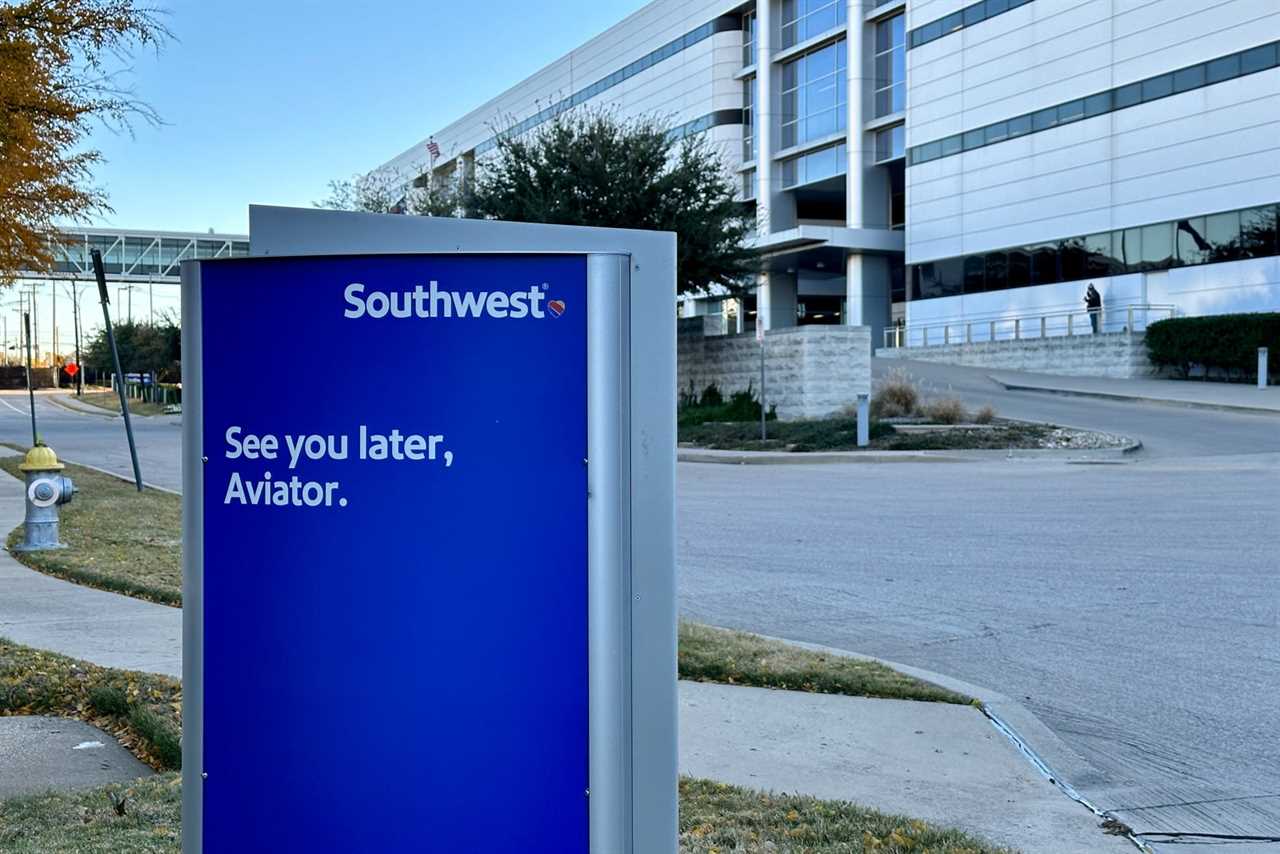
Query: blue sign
point(395, 555)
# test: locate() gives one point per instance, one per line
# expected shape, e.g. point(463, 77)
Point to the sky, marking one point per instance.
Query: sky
point(267, 101)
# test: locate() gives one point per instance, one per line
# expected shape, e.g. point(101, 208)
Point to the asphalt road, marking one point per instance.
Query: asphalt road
point(1135, 608)
point(97, 440)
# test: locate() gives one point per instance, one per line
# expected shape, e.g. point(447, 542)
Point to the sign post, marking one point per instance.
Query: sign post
point(414, 606)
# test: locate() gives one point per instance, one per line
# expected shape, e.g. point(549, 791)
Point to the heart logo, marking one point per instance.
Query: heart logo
point(557, 307)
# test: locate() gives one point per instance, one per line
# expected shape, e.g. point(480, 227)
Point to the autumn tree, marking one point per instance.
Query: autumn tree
point(59, 67)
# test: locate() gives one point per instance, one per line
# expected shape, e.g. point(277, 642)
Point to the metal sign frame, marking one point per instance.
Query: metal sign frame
point(630, 474)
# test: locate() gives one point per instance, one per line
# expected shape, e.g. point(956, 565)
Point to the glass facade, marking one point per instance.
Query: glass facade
point(891, 143)
point(749, 119)
point(815, 166)
point(726, 23)
point(1239, 64)
point(748, 39)
point(891, 67)
point(804, 19)
point(814, 96)
point(1229, 236)
point(966, 17)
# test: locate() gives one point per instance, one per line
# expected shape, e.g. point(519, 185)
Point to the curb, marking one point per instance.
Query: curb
point(1077, 456)
point(122, 477)
point(783, 458)
point(81, 408)
point(1135, 398)
point(1006, 715)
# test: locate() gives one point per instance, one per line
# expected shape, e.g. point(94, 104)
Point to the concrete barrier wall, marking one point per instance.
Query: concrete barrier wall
point(810, 371)
point(1117, 354)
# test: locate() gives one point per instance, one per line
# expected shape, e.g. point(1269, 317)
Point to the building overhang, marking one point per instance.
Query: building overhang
point(862, 241)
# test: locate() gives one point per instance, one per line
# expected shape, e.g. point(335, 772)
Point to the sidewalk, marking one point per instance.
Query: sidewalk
point(1205, 395)
point(939, 762)
point(103, 628)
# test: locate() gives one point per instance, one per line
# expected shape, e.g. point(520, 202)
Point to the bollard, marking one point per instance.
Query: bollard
point(46, 492)
point(864, 420)
point(1262, 367)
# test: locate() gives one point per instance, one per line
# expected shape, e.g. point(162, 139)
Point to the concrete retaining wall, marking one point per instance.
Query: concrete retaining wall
point(811, 371)
point(1117, 354)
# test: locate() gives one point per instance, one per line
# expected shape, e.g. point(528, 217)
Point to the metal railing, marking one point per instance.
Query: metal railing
point(1020, 327)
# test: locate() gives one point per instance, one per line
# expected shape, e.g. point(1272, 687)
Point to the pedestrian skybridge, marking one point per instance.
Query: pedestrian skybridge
point(135, 256)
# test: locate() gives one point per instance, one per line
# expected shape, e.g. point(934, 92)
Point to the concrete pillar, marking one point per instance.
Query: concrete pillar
point(776, 300)
point(867, 294)
point(775, 209)
point(867, 286)
point(859, 71)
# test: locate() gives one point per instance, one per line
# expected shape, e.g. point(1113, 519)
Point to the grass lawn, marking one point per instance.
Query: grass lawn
point(143, 711)
point(89, 823)
point(841, 434)
point(110, 401)
point(714, 819)
point(710, 654)
point(121, 540)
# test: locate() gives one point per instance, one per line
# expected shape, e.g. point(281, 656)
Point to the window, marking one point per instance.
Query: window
point(804, 19)
point(1157, 87)
point(749, 119)
point(1228, 236)
point(891, 67)
point(1187, 79)
point(814, 166)
point(1258, 232)
point(1190, 243)
point(1157, 246)
point(966, 17)
point(890, 143)
point(1223, 233)
point(748, 185)
point(897, 195)
point(814, 102)
point(748, 39)
point(1258, 59)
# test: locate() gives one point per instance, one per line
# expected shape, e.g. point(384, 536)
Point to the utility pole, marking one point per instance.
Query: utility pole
point(101, 276)
point(53, 295)
point(31, 389)
point(75, 327)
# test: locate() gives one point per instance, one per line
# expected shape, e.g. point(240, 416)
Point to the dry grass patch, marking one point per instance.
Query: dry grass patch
point(142, 710)
point(110, 401)
point(90, 822)
point(120, 539)
point(716, 818)
point(710, 654)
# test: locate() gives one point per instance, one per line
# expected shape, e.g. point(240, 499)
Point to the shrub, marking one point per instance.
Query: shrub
point(897, 396)
point(948, 410)
point(1226, 342)
point(711, 406)
point(985, 415)
point(108, 700)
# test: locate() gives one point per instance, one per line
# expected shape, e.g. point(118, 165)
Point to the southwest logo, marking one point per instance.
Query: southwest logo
point(557, 307)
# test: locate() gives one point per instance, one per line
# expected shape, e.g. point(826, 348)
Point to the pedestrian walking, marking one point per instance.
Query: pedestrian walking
point(1093, 302)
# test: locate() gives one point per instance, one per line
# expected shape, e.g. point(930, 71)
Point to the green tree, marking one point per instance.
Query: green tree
point(386, 191)
point(593, 168)
point(143, 347)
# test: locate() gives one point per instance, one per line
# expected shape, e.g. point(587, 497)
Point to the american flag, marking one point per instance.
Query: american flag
point(433, 149)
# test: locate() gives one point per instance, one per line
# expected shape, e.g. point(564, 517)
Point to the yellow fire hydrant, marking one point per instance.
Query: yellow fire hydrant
point(46, 492)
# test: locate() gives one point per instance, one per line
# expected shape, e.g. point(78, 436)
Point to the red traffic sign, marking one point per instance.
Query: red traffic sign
point(71, 368)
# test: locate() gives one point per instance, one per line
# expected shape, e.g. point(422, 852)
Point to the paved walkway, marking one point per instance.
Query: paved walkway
point(104, 628)
point(1206, 395)
point(939, 762)
point(39, 753)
